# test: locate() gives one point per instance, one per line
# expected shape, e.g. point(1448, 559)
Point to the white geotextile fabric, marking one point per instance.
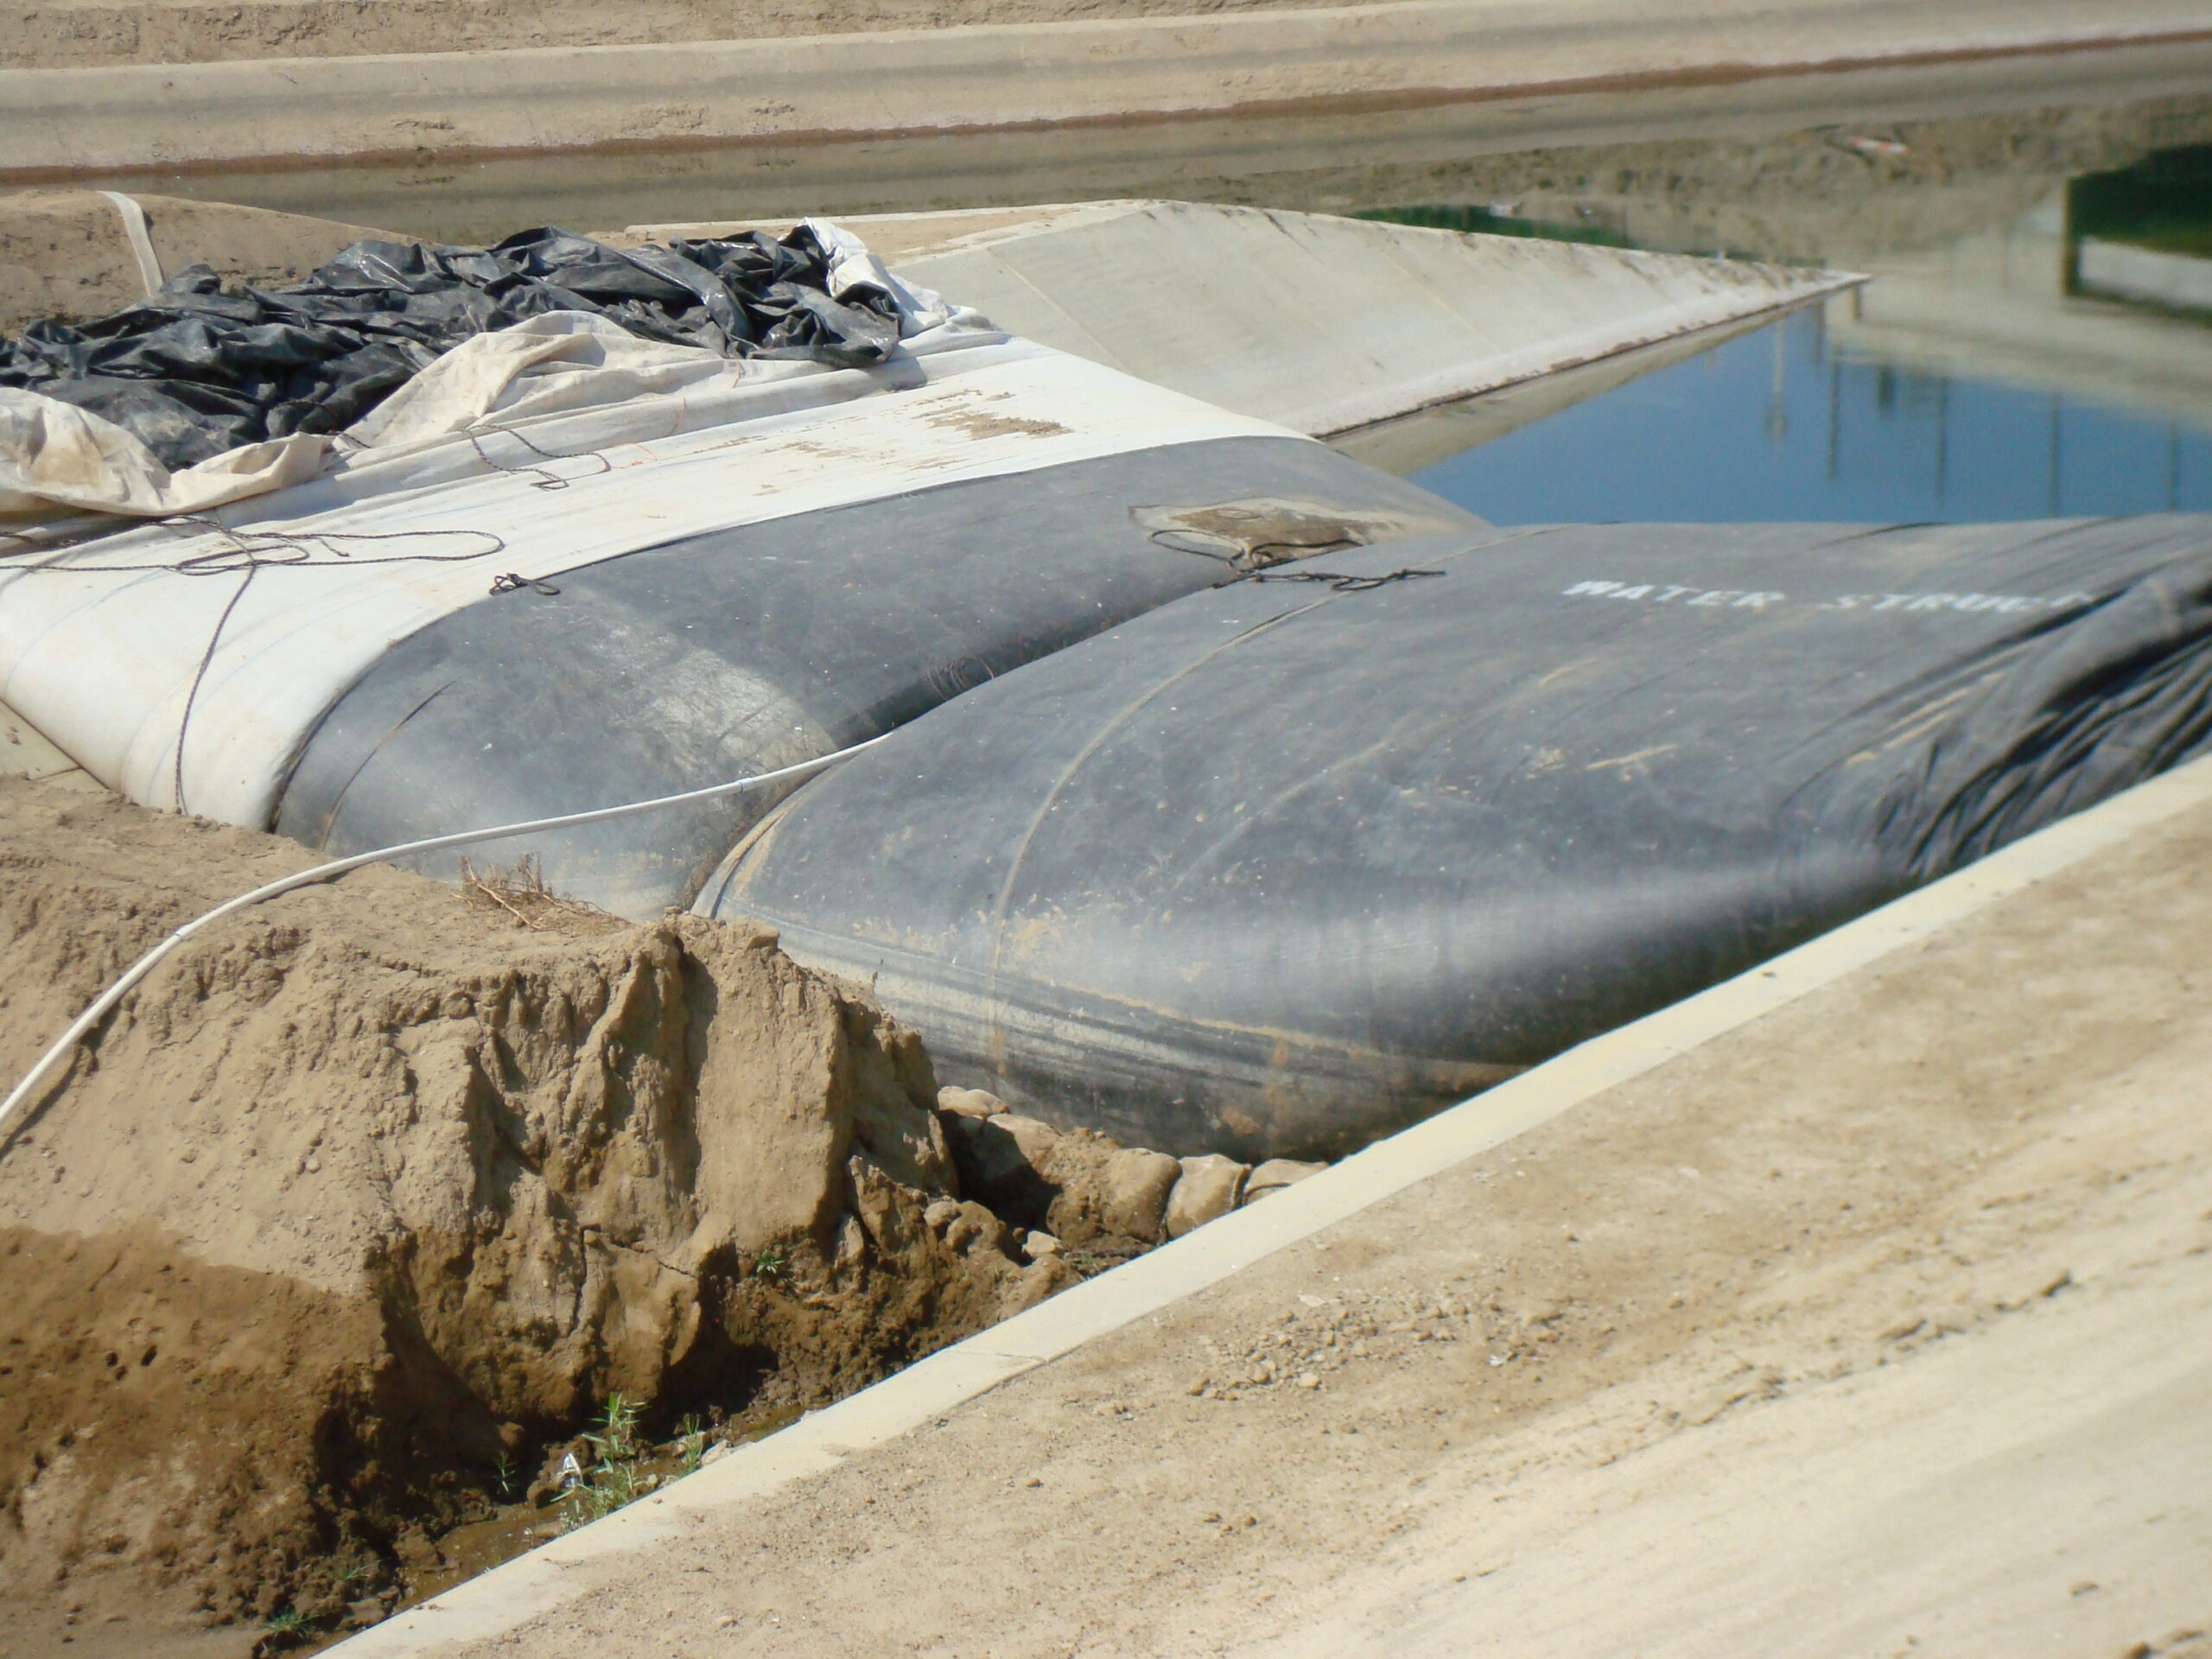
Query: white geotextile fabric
point(55, 455)
point(161, 638)
point(543, 366)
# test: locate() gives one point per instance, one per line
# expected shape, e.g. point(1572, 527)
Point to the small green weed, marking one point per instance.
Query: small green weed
point(618, 1475)
point(771, 1263)
point(611, 1487)
point(614, 1436)
point(285, 1621)
point(690, 1443)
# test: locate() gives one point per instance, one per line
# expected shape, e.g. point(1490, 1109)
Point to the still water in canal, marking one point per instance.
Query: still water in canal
point(1777, 424)
point(2047, 354)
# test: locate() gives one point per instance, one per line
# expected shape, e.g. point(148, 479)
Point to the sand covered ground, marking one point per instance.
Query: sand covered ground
point(363, 1201)
point(78, 34)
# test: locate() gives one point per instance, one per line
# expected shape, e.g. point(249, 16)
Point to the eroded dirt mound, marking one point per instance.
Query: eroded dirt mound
point(366, 1196)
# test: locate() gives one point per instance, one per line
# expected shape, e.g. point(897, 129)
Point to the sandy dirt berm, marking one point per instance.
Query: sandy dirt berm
point(364, 1199)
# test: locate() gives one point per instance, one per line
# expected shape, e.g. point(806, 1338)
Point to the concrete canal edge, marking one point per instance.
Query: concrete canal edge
point(546, 1578)
point(1246, 307)
point(56, 123)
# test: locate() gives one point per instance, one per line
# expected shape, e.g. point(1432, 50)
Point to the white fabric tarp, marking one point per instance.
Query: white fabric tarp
point(226, 639)
point(544, 366)
point(55, 455)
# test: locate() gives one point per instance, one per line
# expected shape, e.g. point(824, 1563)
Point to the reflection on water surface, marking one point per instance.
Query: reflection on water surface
point(1779, 424)
point(2040, 348)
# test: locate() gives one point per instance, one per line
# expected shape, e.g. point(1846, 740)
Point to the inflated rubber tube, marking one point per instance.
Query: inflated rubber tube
point(760, 645)
point(1278, 868)
point(88, 1021)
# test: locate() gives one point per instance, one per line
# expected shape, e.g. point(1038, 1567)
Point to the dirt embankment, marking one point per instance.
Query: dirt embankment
point(76, 34)
point(1799, 196)
point(65, 254)
point(361, 1201)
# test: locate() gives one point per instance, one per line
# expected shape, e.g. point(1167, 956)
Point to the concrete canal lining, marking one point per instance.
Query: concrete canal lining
point(58, 122)
point(1316, 322)
point(1325, 324)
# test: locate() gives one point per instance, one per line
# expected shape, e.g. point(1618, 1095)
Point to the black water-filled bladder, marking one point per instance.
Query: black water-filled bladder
point(1282, 866)
point(715, 656)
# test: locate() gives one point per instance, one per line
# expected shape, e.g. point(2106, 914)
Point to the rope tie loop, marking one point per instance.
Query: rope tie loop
point(245, 553)
point(1337, 583)
point(543, 479)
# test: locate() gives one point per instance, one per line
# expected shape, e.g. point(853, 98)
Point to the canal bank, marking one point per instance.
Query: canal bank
point(65, 121)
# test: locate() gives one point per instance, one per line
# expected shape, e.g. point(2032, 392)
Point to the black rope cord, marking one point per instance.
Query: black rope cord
point(544, 480)
point(246, 553)
point(1262, 561)
point(1259, 556)
point(1337, 583)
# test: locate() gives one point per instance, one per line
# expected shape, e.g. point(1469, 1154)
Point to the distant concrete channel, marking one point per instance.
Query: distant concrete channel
point(1956, 184)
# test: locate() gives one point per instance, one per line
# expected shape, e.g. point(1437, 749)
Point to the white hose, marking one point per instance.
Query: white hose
point(146, 964)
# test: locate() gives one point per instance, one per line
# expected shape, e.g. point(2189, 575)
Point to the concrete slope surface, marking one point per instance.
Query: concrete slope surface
point(1325, 323)
point(1853, 1307)
point(1314, 321)
point(79, 33)
point(82, 33)
point(2017, 1493)
point(53, 121)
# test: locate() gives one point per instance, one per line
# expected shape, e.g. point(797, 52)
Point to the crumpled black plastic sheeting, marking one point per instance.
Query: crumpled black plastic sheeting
point(196, 371)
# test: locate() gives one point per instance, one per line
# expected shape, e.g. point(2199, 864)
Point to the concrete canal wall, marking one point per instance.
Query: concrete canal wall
point(1311, 322)
point(56, 121)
